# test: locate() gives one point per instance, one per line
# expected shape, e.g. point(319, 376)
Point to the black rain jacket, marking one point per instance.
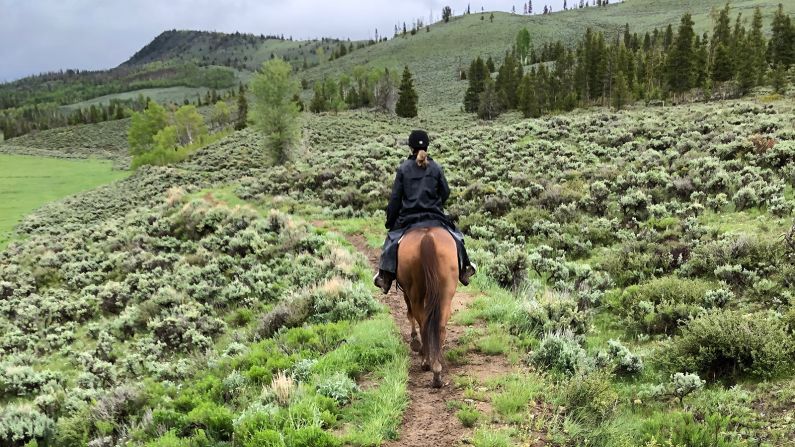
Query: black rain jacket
point(418, 194)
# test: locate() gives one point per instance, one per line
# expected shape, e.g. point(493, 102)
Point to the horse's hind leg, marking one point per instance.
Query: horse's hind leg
point(415, 344)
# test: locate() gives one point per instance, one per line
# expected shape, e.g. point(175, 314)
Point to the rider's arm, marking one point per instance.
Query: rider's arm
point(395, 201)
point(444, 188)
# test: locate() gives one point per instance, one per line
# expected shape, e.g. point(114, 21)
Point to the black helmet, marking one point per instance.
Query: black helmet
point(419, 139)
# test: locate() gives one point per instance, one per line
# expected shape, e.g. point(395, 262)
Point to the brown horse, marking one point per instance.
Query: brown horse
point(428, 275)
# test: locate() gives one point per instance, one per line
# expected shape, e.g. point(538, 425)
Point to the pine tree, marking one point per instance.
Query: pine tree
point(681, 58)
point(668, 37)
point(757, 46)
point(477, 77)
point(781, 47)
point(490, 65)
point(407, 97)
point(528, 99)
point(621, 92)
point(508, 79)
point(447, 12)
point(242, 110)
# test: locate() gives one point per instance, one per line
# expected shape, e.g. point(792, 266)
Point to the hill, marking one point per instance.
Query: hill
point(436, 57)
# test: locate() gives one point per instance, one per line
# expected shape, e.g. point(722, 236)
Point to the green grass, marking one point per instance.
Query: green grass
point(27, 183)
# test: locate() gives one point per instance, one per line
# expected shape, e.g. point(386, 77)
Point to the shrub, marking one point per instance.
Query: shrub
point(215, 419)
point(339, 299)
point(683, 429)
point(509, 267)
point(560, 352)
point(625, 361)
point(549, 311)
point(20, 423)
point(661, 305)
point(726, 344)
point(590, 397)
point(338, 387)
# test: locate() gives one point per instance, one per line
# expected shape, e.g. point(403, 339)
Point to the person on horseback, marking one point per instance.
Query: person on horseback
point(418, 196)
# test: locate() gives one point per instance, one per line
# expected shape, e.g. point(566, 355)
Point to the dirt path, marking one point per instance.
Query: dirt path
point(428, 421)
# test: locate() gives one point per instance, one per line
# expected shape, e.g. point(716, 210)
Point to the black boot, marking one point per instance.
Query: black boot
point(383, 280)
point(467, 273)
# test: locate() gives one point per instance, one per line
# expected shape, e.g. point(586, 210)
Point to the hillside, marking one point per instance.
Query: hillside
point(240, 51)
point(436, 57)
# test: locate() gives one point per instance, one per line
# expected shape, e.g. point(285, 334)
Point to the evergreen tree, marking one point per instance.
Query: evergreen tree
point(668, 37)
point(681, 58)
point(528, 101)
point(447, 12)
point(406, 106)
point(621, 92)
point(781, 47)
point(757, 47)
point(242, 111)
point(722, 63)
point(319, 103)
point(490, 65)
point(478, 73)
point(508, 79)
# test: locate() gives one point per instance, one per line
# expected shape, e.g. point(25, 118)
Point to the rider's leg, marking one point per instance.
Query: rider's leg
point(466, 267)
point(387, 265)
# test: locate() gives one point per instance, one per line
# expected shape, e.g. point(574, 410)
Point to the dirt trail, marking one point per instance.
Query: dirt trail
point(428, 421)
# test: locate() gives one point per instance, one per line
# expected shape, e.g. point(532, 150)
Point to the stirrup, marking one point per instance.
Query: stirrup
point(382, 282)
point(468, 272)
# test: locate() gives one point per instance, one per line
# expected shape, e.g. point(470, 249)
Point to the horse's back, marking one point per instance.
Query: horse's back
point(410, 254)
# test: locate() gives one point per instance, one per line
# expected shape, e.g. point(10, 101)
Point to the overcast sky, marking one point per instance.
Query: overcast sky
point(44, 35)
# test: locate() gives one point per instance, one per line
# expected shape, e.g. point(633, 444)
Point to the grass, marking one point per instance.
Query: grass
point(376, 415)
point(468, 415)
point(27, 183)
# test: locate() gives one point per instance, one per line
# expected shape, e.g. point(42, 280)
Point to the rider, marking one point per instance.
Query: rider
point(418, 196)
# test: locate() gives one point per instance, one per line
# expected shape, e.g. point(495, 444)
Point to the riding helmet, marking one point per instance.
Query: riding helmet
point(419, 140)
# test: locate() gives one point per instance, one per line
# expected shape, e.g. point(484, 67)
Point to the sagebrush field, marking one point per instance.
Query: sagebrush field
point(636, 282)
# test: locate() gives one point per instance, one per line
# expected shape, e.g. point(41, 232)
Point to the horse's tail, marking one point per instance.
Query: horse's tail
point(433, 298)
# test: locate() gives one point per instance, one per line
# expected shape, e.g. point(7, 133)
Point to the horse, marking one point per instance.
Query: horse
point(428, 274)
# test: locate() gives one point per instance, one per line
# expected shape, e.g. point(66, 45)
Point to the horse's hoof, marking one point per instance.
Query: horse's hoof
point(426, 366)
point(416, 346)
point(437, 380)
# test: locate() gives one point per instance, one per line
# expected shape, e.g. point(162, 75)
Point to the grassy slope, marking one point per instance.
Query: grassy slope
point(29, 182)
point(434, 57)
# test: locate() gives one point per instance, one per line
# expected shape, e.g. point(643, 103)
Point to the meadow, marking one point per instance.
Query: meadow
point(27, 183)
point(634, 274)
point(635, 287)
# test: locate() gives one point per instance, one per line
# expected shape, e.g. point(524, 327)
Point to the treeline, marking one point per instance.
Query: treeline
point(73, 86)
point(365, 88)
point(19, 121)
point(658, 65)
